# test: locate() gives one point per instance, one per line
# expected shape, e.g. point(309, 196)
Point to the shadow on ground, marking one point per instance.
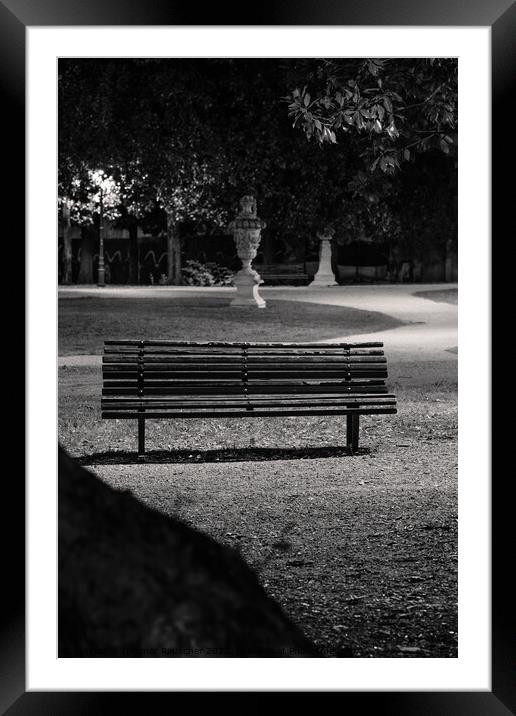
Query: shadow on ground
point(124, 457)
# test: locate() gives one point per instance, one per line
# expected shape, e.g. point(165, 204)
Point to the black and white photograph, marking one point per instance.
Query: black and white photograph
point(257, 303)
point(257, 357)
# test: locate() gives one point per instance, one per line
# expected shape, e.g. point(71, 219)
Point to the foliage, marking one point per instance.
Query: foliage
point(222, 275)
point(427, 207)
point(196, 273)
point(191, 136)
point(392, 107)
point(374, 213)
point(140, 117)
point(86, 195)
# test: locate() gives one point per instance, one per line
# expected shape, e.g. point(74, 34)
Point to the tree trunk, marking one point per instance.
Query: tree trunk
point(88, 244)
point(450, 262)
point(174, 273)
point(132, 267)
point(268, 246)
point(67, 253)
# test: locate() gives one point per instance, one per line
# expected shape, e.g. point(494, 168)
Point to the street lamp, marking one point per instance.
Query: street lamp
point(67, 242)
point(101, 271)
point(105, 185)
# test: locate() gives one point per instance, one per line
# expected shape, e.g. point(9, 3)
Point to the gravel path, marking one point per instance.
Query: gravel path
point(360, 551)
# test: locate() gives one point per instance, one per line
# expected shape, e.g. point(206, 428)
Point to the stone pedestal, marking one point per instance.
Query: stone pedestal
point(247, 292)
point(324, 276)
point(246, 229)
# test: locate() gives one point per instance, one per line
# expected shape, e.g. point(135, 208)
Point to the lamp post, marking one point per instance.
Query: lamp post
point(67, 243)
point(101, 271)
point(107, 194)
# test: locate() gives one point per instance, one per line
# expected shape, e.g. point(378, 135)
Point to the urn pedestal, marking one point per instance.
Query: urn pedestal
point(324, 275)
point(246, 229)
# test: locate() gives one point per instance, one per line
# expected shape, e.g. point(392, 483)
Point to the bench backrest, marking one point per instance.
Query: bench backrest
point(176, 368)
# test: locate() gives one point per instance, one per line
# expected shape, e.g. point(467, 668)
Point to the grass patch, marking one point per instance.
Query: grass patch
point(441, 295)
point(84, 323)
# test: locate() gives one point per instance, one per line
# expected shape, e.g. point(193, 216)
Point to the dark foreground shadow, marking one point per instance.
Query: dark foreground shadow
point(124, 457)
point(134, 582)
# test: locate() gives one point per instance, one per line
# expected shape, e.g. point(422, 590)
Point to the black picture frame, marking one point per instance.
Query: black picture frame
point(15, 17)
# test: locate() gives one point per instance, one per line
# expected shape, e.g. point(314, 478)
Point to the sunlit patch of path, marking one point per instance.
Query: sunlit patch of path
point(431, 328)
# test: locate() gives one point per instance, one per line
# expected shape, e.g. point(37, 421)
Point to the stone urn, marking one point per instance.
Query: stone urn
point(324, 275)
point(246, 229)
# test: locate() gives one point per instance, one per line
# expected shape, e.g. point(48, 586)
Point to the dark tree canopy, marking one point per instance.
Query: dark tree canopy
point(197, 133)
point(189, 137)
point(393, 108)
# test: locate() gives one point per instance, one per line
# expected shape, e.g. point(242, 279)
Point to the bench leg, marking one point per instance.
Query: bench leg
point(141, 437)
point(352, 427)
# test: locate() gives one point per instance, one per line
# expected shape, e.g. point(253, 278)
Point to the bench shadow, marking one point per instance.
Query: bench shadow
point(244, 454)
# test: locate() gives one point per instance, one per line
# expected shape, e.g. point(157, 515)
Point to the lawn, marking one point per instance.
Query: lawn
point(85, 322)
point(359, 550)
point(444, 295)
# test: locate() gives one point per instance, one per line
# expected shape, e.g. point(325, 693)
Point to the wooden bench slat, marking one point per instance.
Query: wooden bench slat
point(153, 376)
point(113, 373)
point(312, 374)
point(144, 402)
point(249, 367)
point(254, 379)
point(306, 357)
point(166, 380)
point(247, 408)
point(288, 396)
point(261, 413)
point(316, 349)
point(112, 403)
point(237, 390)
point(183, 387)
point(238, 344)
point(240, 365)
point(283, 361)
point(245, 405)
point(252, 374)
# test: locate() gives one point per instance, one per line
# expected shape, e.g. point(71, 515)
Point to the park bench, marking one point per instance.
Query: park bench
point(145, 380)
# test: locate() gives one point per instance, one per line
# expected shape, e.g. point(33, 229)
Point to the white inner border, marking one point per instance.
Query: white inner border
point(471, 670)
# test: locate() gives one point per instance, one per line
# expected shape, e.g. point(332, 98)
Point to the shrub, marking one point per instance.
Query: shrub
point(196, 273)
point(222, 275)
